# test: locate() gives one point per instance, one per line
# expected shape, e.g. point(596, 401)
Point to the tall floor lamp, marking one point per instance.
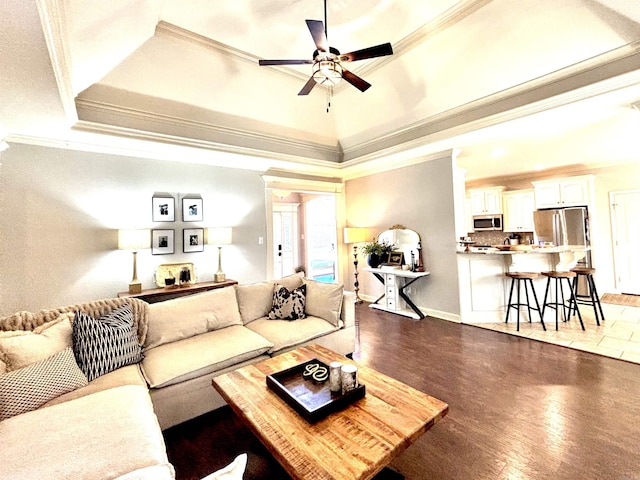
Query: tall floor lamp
point(134, 240)
point(355, 235)
point(219, 236)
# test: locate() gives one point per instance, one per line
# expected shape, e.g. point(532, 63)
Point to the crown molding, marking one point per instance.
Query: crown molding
point(53, 22)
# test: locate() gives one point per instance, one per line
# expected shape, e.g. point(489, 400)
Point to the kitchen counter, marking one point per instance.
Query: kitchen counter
point(483, 286)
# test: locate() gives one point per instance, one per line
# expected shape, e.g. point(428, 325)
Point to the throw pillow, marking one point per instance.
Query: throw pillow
point(105, 344)
point(255, 301)
point(233, 471)
point(324, 300)
point(19, 349)
point(30, 387)
point(288, 304)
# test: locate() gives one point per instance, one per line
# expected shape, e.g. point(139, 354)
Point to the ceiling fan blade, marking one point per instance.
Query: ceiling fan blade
point(307, 87)
point(284, 62)
point(355, 80)
point(316, 27)
point(371, 52)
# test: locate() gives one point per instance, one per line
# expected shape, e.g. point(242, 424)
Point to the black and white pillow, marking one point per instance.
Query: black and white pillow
point(30, 387)
point(288, 304)
point(105, 344)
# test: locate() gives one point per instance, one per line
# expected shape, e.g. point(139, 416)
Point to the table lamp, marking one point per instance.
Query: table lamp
point(134, 240)
point(219, 236)
point(355, 235)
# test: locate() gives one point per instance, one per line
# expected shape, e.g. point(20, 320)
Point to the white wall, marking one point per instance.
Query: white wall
point(60, 210)
point(420, 197)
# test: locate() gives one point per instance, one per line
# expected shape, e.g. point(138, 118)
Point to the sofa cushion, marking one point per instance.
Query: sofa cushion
point(129, 375)
point(290, 281)
point(324, 300)
point(284, 333)
point(104, 344)
point(30, 387)
point(288, 304)
point(254, 301)
point(104, 435)
point(202, 354)
point(19, 349)
point(192, 315)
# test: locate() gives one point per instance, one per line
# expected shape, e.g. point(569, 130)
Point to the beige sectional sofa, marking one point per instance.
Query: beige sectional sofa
point(111, 426)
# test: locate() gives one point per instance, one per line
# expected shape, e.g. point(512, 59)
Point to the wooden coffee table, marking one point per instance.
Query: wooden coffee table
point(354, 443)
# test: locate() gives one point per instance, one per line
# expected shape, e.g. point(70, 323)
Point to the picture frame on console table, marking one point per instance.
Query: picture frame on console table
point(193, 240)
point(395, 259)
point(192, 209)
point(162, 241)
point(163, 209)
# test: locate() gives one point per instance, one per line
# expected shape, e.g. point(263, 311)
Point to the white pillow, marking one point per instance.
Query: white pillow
point(254, 300)
point(233, 471)
point(192, 315)
point(19, 349)
point(324, 300)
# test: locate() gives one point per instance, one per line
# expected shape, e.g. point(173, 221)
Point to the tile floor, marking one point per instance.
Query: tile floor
point(618, 336)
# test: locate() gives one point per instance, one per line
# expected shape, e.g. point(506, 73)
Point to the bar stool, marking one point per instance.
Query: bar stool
point(525, 278)
point(558, 277)
point(592, 297)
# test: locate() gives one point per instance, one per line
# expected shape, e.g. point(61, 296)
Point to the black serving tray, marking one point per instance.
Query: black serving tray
point(313, 401)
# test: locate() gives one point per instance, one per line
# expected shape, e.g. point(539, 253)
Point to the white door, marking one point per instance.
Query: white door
point(625, 212)
point(285, 239)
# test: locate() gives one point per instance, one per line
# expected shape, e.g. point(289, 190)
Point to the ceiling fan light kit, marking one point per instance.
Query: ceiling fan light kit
point(327, 61)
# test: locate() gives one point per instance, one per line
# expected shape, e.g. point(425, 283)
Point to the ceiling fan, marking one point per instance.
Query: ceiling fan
point(327, 61)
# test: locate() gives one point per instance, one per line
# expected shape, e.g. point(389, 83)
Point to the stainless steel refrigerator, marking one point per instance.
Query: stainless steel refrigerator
point(565, 226)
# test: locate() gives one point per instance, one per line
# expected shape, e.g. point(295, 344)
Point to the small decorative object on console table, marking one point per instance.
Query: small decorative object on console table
point(355, 235)
point(219, 236)
point(377, 252)
point(134, 240)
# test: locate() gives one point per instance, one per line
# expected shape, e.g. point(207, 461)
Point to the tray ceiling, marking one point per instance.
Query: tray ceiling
point(531, 77)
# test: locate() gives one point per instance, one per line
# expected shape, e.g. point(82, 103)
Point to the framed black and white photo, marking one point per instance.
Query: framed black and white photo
point(192, 210)
point(164, 209)
point(162, 242)
point(193, 240)
point(395, 259)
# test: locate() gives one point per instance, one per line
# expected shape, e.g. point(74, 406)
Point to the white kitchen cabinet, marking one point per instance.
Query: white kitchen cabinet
point(563, 192)
point(517, 208)
point(486, 201)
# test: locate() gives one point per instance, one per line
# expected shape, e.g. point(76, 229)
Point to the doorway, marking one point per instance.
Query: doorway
point(625, 211)
point(321, 245)
point(285, 239)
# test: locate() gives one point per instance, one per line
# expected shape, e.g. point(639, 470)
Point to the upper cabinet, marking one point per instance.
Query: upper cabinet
point(563, 192)
point(518, 207)
point(486, 201)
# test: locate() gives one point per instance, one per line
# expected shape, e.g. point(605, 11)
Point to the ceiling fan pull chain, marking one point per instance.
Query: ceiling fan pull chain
point(329, 95)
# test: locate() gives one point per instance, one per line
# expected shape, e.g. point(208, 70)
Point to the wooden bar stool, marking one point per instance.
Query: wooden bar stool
point(525, 278)
point(592, 297)
point(560, 302)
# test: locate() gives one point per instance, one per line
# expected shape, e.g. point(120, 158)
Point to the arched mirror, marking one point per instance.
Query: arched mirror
point(403, 239)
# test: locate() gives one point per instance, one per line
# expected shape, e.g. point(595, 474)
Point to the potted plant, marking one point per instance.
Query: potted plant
point(376, 252)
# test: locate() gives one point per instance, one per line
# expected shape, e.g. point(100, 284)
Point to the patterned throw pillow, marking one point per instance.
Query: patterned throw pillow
point(105, 344)
point(30, 387)
point(288, 304)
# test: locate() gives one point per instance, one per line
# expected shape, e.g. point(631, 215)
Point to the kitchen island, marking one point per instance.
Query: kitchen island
point(484, 289)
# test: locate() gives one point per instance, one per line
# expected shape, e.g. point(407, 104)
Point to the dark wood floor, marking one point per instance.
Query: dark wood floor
point(519, 409)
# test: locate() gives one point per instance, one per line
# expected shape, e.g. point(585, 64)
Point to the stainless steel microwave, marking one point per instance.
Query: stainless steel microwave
point(482, 223)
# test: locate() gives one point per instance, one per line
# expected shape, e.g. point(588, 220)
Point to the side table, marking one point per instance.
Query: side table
point(154, 295)
point(395, 283)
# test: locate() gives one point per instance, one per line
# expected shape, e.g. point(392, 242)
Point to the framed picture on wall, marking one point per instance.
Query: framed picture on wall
point(192, 210)
point(193, 240)
point(162, 242)
point(164, 209)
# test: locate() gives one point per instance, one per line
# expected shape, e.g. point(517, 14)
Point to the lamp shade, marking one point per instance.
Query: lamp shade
point(355, 234)
point(134, 239)
point(219, 236)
